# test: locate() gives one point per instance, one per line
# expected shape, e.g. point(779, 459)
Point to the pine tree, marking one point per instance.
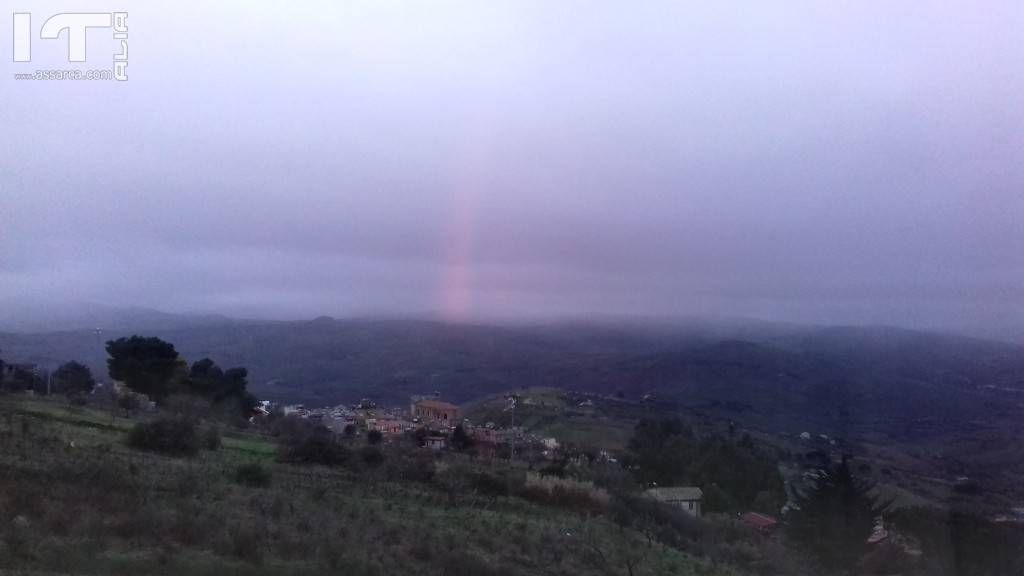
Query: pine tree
point(836, 519)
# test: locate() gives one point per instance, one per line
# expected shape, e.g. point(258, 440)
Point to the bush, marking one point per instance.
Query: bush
point(406, 464)
point(186, 407)
point(129, 401)
point(316, 450)
point(78, 399)
point(374, 437)
point(565, 493)
point(495, 483)
point(254, 475)
point(211, 438)
point(371, 455)
point(167, 436)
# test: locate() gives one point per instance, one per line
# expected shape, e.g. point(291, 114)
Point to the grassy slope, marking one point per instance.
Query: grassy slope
point(555, 413)
point(74, 499)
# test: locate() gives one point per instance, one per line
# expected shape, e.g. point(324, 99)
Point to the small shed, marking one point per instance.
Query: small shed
point(436, 442)
point(686, 497)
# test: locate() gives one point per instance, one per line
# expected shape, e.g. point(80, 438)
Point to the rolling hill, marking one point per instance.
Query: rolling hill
point(844, 381)
point(932, 405)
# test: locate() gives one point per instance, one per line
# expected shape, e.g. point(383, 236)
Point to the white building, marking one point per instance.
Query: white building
point(686, 497)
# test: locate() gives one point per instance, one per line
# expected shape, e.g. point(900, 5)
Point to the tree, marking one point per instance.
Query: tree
point(835, 520)
point(460, 440)
point(225, 388)
point(734, 475)
point(74, 379)
point(148, 366)
point(374, 437)
point(204, 378)
point(661, 450)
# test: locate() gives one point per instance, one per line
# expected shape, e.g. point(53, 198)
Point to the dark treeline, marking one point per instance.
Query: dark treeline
point(152, 367)
point(735, 475)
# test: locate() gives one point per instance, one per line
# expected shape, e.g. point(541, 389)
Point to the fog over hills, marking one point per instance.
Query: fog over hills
point(841, 378)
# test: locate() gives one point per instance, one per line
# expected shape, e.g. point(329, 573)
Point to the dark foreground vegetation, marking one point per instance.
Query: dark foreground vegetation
point(76, 496)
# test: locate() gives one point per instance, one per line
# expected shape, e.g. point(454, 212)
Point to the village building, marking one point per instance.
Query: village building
point(435, 412)
point(436, 442)
point(686, 497)
point(484, 435)
point(387, 426)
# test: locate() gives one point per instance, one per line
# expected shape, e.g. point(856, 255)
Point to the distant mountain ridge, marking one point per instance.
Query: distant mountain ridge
point(39, 316)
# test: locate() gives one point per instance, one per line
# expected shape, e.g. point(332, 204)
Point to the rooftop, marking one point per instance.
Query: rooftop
point(758, 520)
point(437, 404)
point(676, 493)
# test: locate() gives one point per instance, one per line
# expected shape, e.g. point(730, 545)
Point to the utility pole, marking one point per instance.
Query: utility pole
point(512, 442)
point(512, 454)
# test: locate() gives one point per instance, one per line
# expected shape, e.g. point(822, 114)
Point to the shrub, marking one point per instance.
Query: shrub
point(565, 493)
point(78, 399)
point(167, 436)
point(374, 437)
point(211, 438)
point(494, 483)
point(254, 475)
point(371, 455)
point(316, 450)
point(409, 465)
point(129, 401)
point(186, 407)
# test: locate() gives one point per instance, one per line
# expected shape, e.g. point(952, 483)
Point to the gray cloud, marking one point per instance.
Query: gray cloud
point(849, 162)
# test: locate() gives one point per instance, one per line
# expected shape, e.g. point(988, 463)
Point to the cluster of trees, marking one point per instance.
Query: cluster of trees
point(735, 475)
point(831, 523)
point(958, 541)
point(152, 367)
point(73, 379)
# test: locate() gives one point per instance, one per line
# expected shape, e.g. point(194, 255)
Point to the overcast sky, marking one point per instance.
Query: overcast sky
point(833, 162)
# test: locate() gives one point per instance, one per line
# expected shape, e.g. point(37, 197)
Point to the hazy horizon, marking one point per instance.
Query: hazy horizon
point(34, 317)
point(840, 164)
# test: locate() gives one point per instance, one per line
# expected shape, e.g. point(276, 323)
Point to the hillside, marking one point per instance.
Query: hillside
point(77, 499)
point(844, 381)
point(927, 405)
